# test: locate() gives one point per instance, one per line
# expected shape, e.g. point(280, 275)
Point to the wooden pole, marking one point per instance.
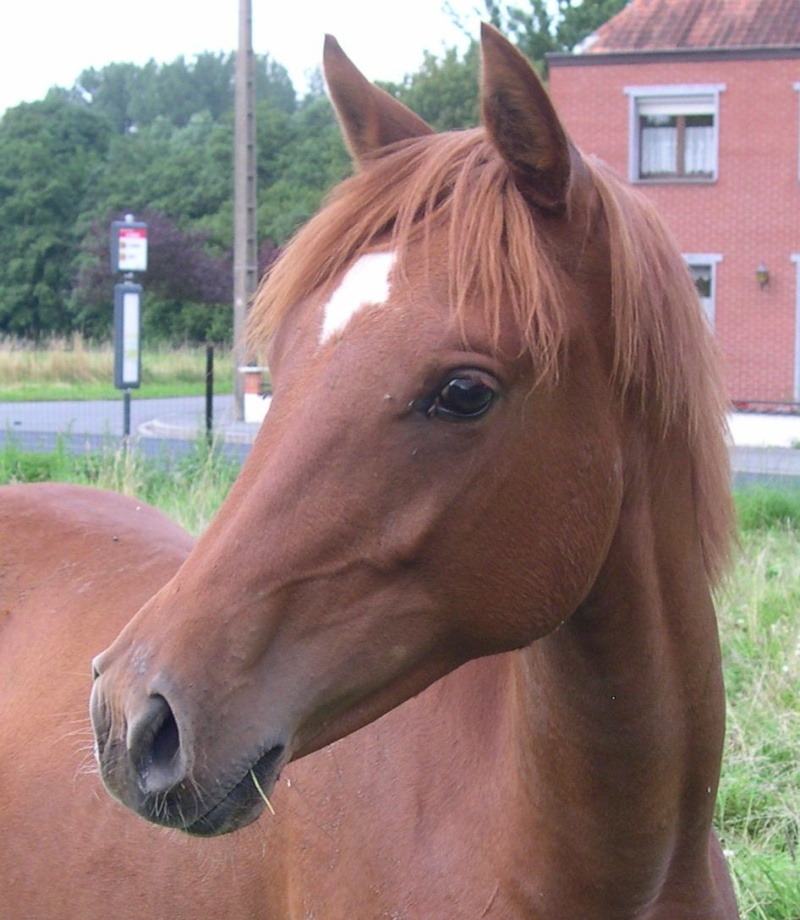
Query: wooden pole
point(245, 267)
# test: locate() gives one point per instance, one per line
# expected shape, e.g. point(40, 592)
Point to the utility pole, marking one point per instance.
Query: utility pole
point(245, 267)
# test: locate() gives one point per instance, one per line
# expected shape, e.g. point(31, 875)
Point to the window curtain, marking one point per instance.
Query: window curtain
point(699, 153)
point(659, 152)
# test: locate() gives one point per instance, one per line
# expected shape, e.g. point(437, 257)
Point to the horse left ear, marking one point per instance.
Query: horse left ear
point(522, 124)
point(370, 118)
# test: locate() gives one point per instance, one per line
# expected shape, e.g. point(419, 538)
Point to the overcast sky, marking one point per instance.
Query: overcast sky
point(46, 43)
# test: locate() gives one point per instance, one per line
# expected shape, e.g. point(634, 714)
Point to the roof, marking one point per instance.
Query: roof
point(659, 25)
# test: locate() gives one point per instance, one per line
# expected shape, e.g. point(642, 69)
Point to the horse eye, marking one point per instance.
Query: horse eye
point(462, 398)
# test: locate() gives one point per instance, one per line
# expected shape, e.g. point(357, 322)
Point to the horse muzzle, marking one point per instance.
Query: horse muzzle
point(145, 754)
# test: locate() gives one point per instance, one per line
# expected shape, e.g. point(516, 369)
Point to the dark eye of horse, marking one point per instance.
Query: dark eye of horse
point(462, 398)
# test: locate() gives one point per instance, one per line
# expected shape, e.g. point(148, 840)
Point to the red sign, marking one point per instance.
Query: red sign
point(129, 246)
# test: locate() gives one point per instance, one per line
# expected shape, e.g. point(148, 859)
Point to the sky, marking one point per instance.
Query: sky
point(45, 43)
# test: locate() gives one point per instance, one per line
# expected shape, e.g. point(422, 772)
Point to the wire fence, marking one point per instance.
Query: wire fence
point(765, 437)
point(170, 424)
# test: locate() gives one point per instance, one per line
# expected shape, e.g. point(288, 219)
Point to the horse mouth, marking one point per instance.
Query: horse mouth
point(243, 802)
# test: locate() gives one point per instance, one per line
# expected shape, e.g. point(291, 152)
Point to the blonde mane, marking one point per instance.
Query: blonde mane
point(664, 355)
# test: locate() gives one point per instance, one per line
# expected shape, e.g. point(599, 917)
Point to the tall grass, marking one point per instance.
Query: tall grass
point(758, 811)
point(76, 369)
point(189, 488)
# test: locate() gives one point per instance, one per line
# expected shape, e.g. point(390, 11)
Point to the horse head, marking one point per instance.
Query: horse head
point(439, 476)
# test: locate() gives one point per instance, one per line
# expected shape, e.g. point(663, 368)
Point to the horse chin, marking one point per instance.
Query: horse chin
point(245, 801)
point(225, 818)
point(241, 805)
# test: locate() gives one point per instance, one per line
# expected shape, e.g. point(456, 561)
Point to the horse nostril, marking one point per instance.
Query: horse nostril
point(166, 740)
point(154, 745)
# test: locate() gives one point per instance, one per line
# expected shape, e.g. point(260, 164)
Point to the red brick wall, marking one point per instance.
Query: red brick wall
point(750, 214)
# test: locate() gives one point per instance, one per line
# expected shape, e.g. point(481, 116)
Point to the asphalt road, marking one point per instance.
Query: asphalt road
point(159, 425)
point(171, 426)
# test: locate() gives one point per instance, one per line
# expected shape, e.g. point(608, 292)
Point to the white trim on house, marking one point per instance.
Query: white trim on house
point(712, 259)
point(680, 98)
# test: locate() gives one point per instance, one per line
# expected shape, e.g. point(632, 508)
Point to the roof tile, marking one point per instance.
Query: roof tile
point(651, 25)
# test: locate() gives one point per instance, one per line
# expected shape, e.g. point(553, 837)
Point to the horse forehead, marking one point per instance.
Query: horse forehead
point(366, 284)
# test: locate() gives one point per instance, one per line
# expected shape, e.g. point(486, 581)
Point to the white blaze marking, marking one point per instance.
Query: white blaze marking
point(366, 284)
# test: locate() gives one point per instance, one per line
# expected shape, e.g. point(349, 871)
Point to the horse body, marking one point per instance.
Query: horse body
point(443, 788)
point(75, 564)
point(454, 617)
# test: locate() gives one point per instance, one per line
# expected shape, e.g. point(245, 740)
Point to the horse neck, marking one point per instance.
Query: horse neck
point(620, 711)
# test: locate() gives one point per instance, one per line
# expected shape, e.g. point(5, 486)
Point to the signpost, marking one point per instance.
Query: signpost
point(128, 245)
point(128, 255)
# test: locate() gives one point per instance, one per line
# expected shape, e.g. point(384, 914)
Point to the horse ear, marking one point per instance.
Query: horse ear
point(370, 118)
point(522, 123)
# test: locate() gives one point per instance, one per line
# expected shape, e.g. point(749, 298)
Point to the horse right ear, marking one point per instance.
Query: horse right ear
point(370, 118)
point(523, 125)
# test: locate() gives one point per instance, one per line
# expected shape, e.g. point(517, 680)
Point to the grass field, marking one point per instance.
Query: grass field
point(758, 813)
point(759, 802)
point(188, 488)
point(75, 369)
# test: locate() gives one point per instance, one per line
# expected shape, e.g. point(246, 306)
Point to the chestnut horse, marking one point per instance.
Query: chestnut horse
point(75, 564)
point(454, 618)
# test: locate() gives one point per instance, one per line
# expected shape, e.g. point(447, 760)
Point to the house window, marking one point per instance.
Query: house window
point(673, 133)
point(703, 269)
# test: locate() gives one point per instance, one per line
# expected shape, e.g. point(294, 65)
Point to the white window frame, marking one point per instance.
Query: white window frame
point(711, 259)
point(687, 99)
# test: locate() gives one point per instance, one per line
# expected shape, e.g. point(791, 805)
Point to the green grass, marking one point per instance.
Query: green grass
point(758, 810)
point(39, 392)
point(189, 488)
point(74, 369)
point(760, 508)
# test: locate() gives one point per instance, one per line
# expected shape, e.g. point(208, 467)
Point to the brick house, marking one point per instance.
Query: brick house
point(697, 103)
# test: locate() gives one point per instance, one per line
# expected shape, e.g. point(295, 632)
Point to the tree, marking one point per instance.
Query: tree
point(533, 29)
point(580, 20)
point(538, 29)
point(187, 288)
point(123, 93)
point(49, 154)
point(444, 91)
point(133, 97)
point(158, 140)
point(299, 159)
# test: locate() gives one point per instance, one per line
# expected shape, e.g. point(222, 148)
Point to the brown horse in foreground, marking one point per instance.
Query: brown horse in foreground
point(454, 618)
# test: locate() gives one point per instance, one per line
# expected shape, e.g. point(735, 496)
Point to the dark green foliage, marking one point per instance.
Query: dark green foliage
point(187, 287)
point(156, 141)
point(539, 29)
point(49, 152)
point(299, 160)
point(580, 19)
point(445, 90)
point(132, 97)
